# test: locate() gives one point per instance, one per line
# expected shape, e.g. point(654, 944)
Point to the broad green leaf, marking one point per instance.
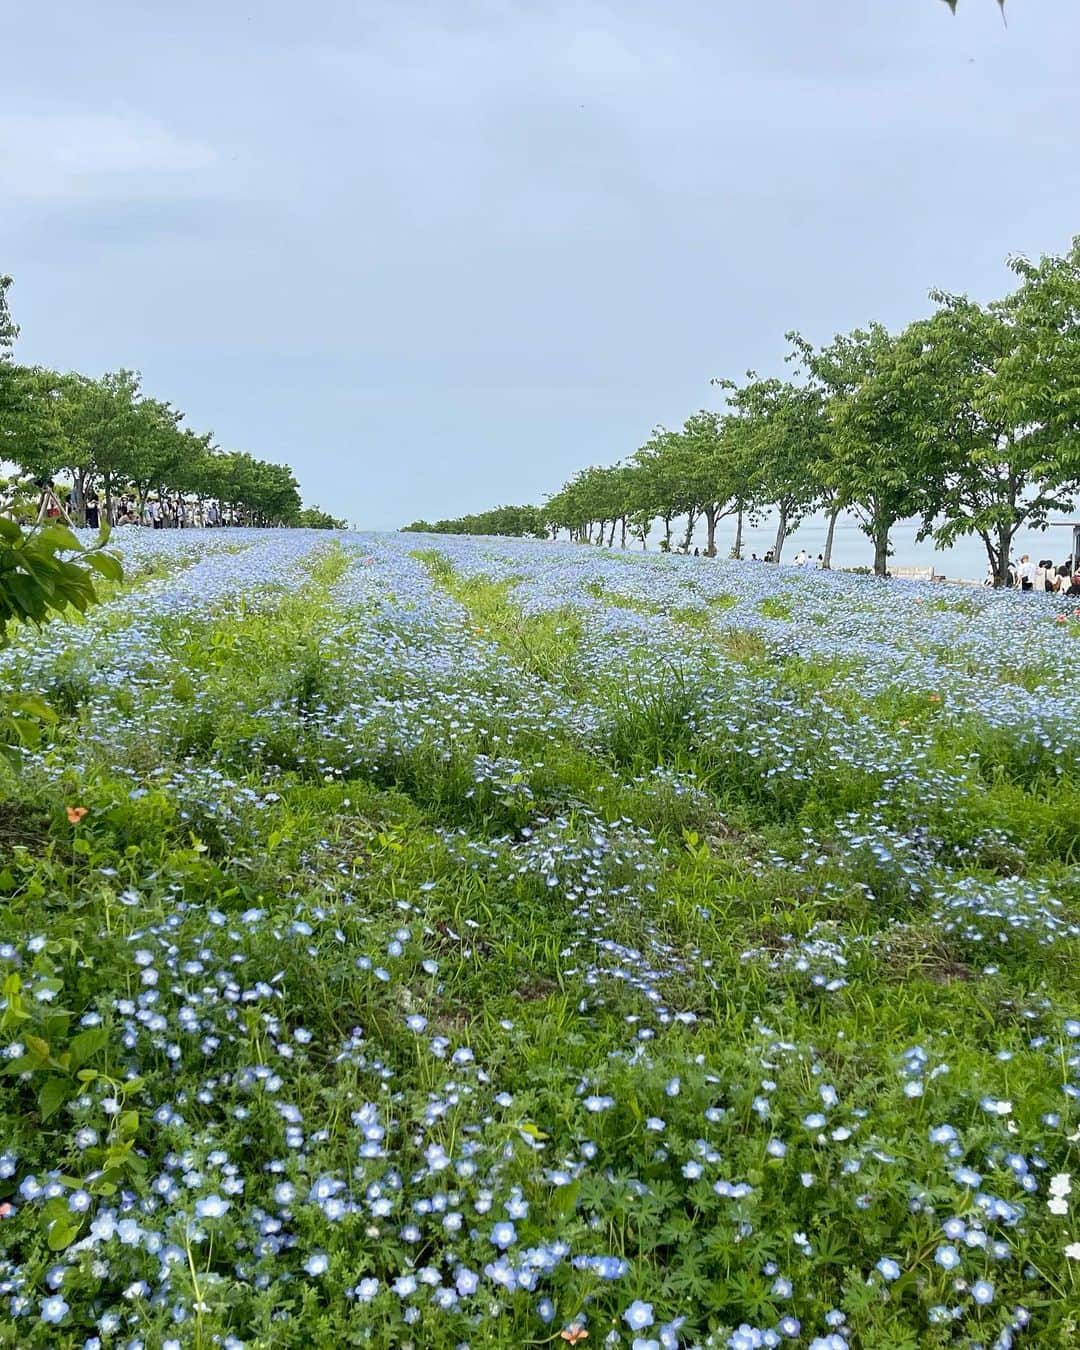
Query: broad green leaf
point(52, 1096)
point(87, 1044)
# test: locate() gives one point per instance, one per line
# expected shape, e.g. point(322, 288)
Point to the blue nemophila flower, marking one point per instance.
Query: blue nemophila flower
point(947, 1257)
point(597, 1104)
point(517, 1206)
point(54, 1309)
point(466, 1281)
point(317, 1264)
point(502, 1273)
point(503, 1235)
point(888, 1268)
point(211, 1207)
point(982, 1291)
point(639, 1315)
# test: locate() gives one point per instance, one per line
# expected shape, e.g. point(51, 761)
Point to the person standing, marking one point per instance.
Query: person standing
point(1026, 573)
point(93, 512)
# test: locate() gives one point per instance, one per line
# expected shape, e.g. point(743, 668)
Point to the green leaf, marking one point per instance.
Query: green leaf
point(183, 689)
point(63, 1232)
point(52, 1096)
point(59, 536)
point(33, 706)
point(87, 1044)
point(107, 564)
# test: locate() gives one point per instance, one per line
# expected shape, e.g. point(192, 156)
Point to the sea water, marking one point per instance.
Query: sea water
point(965, 561)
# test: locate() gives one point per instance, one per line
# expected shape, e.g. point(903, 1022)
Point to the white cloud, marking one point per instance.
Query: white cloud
point(61, 157)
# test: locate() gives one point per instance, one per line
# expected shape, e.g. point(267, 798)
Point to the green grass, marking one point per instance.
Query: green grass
point(314, 824)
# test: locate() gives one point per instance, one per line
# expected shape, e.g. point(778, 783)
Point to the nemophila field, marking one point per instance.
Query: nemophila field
point(490, 943)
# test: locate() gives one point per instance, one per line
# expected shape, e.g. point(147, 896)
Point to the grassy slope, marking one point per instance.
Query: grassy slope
point(618, 1003)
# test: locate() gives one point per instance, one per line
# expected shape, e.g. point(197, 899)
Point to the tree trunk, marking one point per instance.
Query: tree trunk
point(1000, 565)
point(881, 547)
point(736, 552)
point(826, 561)
point(108, 498)
point(667, 532)
point(781, 534)
point(691, 521)
point(611, 536)
point(622, 543)
point(711, 517)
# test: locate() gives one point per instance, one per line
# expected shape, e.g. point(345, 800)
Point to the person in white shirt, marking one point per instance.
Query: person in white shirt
point(801, 558)
point(1027, 573)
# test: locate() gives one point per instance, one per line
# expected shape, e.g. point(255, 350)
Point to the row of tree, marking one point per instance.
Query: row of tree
point(510, 520)
point(968, 420)
point(107, 436)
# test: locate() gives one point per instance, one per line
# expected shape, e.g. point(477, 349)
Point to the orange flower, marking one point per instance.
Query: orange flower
point(75, 814)
point(574, 1334)
point(935, 698)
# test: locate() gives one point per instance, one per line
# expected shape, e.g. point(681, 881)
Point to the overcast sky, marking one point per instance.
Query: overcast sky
point(438, 256)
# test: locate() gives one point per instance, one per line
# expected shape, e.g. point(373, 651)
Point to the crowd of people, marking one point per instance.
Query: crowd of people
point(167, 513)
point(1043, 575)
point(156, 512)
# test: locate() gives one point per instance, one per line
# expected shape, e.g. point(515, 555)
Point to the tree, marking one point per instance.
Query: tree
point(659, 487)
point(158, 449)
point(313, 518)
point(780, 427)
point(707, 481)
point(1000, 407)
point(869, 462)
point(36, 581)
point(110, 426)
